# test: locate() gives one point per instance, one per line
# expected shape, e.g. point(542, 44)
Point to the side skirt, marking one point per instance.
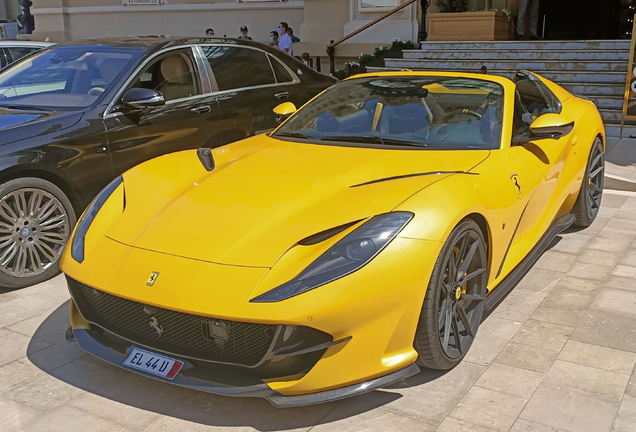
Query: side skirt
point(510, 281)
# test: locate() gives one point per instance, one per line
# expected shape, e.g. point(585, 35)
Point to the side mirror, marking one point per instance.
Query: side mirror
point(547, 126)
point(141, 98)
point(284, 110)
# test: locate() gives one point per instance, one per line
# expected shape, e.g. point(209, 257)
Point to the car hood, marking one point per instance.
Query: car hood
point(17, 125)
point(266, 195)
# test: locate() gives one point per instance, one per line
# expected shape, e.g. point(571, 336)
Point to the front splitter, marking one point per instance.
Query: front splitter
point(241, 386)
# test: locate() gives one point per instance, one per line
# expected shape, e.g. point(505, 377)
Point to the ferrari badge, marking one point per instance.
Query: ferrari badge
point(514, 178)
point(152, 279)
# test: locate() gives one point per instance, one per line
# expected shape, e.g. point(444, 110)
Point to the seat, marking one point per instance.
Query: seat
point(407, 118)
point(177, 76)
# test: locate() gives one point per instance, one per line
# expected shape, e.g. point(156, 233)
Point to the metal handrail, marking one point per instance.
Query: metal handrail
point(331, 48)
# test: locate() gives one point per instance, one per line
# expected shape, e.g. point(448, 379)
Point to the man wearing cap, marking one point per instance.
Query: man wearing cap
point(244, 33)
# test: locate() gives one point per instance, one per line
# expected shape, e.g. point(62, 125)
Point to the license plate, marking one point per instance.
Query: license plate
point(153, 363)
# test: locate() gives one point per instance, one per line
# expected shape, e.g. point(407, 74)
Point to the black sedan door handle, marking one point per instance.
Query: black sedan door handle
point(283, 95)
point(101, 149)
point(201, 109)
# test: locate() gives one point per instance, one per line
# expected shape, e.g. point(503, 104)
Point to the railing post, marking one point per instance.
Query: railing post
point(318, 64)
point(331, 52)
point(425, 5)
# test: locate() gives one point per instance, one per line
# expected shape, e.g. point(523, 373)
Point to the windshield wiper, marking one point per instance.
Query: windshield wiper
point(293, 135)
point(22, 107)
point(371, 139)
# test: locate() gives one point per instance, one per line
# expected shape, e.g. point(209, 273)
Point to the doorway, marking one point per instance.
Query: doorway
point(585, 19)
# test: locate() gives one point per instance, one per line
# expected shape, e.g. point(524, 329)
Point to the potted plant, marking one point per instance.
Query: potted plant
point(454, 23)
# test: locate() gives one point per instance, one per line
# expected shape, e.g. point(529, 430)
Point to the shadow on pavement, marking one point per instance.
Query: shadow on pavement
point(135, 391)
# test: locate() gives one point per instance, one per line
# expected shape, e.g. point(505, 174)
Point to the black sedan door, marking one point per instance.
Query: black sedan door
point(188, 119)
point(248, 89)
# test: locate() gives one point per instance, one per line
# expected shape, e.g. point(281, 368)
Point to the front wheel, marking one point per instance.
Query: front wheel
point(36, 219)
point(454, 301)
point(588, 202)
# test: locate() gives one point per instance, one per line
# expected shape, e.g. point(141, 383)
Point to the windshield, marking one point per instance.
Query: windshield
point(64, 77)
point(417, 111)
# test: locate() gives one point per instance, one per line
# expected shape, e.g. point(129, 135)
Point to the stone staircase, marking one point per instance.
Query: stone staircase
point(594, 69)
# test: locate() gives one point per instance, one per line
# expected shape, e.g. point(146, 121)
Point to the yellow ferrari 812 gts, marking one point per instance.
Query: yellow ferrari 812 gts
point(361, 240)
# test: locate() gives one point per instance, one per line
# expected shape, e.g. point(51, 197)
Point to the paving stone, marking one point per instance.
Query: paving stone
point(625, 225)
point(591, 271)
point(607, 212)
point(595, 256)
point(612, 240)
point(196, 421)
point(543, 335)
point(21, 308)
point(53, 291)
point(565, 317)
point(628, 258)
point(631, 387)
point(16, 373)
point(596, 227)
point(522, 425)
point(527, 357)
point(555, 261)
point(566, 298)
point(598, 357)
point(620, 282)
point(570, 409)
point(489, 408)
point(602, 383)
point(441, 391)
point(614, 201)
point(124, 414)
point(453, 425)
point(579, 284)
point(626, 418)
point(56, 355)
point(73, 419)
point(619, 301)
point(624, 271)
point(608, 329)
point(15, 346)
point(15, 416)
point(48, 327)
point(493, 335)
point(510, 380)
point(572, 243)
point(518, 306)
point(539, 281)
point(44, 393)
point(376, 420)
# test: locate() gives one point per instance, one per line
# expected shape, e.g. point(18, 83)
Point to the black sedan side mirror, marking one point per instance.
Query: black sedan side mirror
point(547, 126)
point(141, 98)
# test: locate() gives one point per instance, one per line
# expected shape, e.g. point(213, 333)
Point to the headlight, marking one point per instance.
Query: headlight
point(348, 255)
point(77, 246)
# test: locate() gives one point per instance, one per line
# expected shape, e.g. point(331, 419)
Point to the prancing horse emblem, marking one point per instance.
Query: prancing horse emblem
point(153, 277)
point(155, 325)
point(514, 178)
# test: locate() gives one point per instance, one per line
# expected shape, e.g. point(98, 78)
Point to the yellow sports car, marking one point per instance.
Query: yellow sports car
point(362, 239)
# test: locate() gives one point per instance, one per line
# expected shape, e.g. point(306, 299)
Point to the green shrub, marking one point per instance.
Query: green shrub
point(446, 6)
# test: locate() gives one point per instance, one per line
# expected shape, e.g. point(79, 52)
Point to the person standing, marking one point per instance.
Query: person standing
point(273, 39)
point(244, 33)
point(294, 39)
point(531, 9)
point(209, 32)
point(285, 42)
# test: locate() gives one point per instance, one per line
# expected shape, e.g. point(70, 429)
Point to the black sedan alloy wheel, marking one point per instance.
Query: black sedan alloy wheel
point(454, 302)
point(36, 220)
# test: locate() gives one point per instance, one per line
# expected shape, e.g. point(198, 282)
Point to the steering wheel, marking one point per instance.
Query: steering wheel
point(96, 91)
point(457, 112)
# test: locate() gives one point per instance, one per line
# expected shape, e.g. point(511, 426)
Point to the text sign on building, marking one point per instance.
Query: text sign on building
point(142, 2)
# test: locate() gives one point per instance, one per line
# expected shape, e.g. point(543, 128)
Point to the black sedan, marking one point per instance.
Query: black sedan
point(76, 115)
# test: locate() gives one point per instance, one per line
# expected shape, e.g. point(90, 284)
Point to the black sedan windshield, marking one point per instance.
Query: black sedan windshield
point(409, 111)
point(64, 77)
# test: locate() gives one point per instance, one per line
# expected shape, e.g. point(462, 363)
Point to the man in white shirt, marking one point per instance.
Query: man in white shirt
point(284, 42)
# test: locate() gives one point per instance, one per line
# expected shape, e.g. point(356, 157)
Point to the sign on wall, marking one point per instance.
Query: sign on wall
point(378, 5)
point(629, 103)
point(141, 2)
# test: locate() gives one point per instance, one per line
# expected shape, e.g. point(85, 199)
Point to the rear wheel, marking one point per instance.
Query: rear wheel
point(588, 202)
point(454, 301)
point(36, 220)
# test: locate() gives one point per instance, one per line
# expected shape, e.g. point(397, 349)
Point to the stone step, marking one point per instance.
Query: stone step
point(611, 116)
point(526, 45)
point(513, 65)
point(590, 89)
point(524, 55)
point(578, 77)
point(614, 130)
point(602, 102)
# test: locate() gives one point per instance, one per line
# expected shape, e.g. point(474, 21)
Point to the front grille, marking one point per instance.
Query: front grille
point(182, 334)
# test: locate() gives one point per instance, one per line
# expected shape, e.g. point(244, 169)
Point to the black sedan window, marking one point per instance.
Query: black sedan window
point(236, 67)
point(64, 77)
point(419, 111)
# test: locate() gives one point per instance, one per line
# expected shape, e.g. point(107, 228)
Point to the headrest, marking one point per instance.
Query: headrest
point(110, 68)
point(175, 70)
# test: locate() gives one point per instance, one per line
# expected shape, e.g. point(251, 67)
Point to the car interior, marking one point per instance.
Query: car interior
point(173, 76)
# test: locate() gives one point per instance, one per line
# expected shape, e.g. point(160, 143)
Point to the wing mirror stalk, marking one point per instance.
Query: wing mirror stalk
point(547, 126)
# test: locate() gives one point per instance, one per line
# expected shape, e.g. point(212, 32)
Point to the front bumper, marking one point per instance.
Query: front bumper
point(226, 382)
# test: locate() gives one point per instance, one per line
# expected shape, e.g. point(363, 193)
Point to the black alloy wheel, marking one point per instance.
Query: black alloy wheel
point(588, 202)
point(36, 220)
point(454, 301)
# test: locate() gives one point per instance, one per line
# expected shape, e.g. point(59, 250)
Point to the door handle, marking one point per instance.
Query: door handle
point(575, 140)
point(101, 149)
point(201, 109)
point(283, 95)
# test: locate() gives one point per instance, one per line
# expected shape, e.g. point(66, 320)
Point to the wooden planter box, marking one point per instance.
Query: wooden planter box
point(469, 26)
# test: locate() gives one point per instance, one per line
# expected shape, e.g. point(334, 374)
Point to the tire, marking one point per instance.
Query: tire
point(588, 202)
point(36, 220)
point(435, 337)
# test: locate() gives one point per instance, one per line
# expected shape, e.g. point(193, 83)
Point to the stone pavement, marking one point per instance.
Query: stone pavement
point(557, 355)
